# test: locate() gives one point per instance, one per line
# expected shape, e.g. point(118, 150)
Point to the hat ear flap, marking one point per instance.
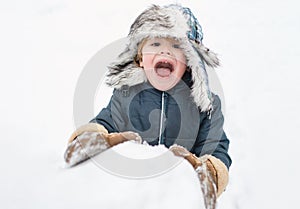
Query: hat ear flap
point(208, 56)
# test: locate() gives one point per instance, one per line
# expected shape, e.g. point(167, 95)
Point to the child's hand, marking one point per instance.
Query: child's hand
point(91, 143)
point(194, 160)
point(183, 152)
point(207, 180)
point(117, 138)
point(90, 127)
point(216, 168)
point(84, 146)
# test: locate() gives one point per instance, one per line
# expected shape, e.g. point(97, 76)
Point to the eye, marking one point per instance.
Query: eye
point(176, 46)
point(155, 44)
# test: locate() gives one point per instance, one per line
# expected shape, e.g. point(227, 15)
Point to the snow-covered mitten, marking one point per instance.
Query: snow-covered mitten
point(92, 139)
point(206, 164)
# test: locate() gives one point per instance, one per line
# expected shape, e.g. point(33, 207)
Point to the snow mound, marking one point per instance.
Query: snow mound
point(139, 151)
point(131, 175)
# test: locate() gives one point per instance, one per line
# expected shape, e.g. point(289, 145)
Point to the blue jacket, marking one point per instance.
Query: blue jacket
point(167, 118)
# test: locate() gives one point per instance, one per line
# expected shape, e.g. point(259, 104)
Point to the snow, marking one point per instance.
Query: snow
point(88, 185)
point(45, 46)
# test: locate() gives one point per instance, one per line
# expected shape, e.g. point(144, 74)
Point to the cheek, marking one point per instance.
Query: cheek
point(181, 58)
point(147, 61)
point(180, 70)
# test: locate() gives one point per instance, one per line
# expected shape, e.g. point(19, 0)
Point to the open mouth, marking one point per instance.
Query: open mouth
point(164, 68)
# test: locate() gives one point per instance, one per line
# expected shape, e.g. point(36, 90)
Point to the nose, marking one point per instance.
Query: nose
point(165, 50)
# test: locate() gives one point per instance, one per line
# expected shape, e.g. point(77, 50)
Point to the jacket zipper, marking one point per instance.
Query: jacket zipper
point(161, 118)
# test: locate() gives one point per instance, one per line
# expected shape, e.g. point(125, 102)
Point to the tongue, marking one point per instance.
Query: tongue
point(163, 72)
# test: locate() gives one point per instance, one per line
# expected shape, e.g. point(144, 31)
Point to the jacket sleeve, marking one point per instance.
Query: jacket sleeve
point(211, 138)
point(105, 118)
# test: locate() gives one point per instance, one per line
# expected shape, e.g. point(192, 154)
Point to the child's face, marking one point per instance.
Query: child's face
point(163, 61)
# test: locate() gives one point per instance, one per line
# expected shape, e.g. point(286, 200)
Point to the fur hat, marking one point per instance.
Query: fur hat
point(173, 21)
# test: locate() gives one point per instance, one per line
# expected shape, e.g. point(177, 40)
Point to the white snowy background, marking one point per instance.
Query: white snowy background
point(45, 44)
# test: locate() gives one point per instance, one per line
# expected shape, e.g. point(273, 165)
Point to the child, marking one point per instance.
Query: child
point(161, 92)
